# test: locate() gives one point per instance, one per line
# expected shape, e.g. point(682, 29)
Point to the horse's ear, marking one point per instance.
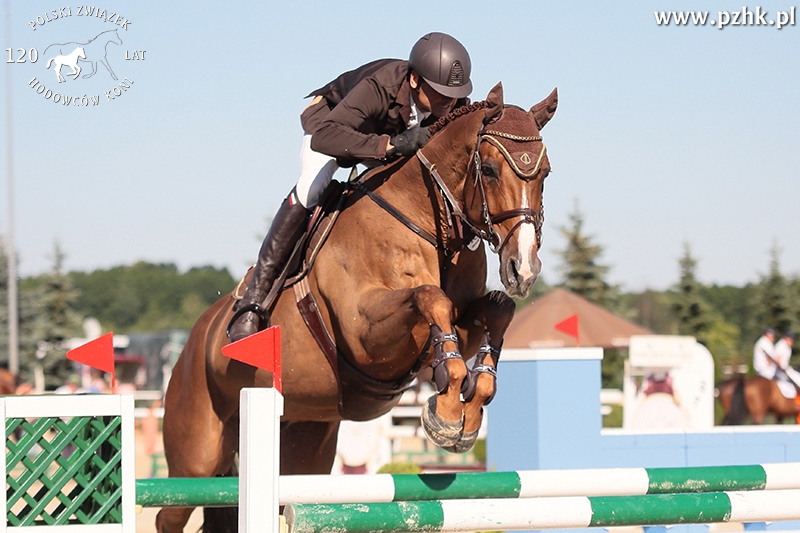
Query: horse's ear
point(494, 104)
point(544, 110)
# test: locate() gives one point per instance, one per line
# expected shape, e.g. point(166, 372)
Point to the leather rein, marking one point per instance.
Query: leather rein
point(455, 215)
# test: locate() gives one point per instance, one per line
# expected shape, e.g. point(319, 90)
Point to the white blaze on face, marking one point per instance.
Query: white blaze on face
point(527, 243)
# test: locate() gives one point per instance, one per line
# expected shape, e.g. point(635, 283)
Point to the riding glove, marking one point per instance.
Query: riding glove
point(407, 143)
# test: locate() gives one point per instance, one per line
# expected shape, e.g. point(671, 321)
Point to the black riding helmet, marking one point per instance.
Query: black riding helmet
point(444, 63)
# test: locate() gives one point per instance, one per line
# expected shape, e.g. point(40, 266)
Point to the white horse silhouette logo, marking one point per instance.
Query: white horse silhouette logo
point(92, 52)
point(70, 60)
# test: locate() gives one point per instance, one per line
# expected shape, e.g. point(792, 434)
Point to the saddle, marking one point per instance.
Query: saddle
point(361, 397)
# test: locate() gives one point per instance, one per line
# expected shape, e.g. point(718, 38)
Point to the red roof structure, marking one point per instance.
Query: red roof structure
point(534, 325)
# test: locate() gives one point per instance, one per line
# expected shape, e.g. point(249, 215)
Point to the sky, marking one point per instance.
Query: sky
point(664, 135)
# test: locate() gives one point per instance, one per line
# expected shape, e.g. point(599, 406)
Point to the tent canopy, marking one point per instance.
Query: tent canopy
point(534, 325)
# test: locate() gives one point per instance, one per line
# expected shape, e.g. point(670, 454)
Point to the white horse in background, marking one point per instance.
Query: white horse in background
point(70, 60)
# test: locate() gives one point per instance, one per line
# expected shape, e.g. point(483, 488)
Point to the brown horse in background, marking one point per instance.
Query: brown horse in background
point(394, 302)
point(8, 383)
point(756, 396)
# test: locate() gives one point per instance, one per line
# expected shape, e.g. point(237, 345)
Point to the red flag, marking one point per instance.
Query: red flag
point(570, 326)
point(97, 353)
point(261, 350)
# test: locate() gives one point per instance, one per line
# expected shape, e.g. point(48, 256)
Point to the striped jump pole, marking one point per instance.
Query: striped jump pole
point(183, 492)
point(453, 516)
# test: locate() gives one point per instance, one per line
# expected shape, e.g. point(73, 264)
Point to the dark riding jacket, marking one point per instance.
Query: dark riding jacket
point(360, 110)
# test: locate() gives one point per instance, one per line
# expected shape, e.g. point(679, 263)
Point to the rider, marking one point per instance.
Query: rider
point(369, 115)
point(764, 355)
point(783, 352)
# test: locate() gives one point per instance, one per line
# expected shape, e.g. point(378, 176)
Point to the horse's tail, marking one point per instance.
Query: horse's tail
point(51, 60)
point(221, 519)
point(738, 409)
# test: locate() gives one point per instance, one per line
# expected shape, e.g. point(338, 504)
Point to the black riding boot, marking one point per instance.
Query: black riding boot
point(286, 228)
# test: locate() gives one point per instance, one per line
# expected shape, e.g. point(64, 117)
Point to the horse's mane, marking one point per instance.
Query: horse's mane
point(454, 114)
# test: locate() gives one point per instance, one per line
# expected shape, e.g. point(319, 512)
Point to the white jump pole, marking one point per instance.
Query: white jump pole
point(259, 460)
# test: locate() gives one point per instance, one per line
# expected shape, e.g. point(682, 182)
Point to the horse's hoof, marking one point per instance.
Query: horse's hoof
point(465, 443)
point(441, 432)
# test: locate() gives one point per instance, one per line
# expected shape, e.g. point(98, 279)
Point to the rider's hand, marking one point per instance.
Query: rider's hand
point(407, 143)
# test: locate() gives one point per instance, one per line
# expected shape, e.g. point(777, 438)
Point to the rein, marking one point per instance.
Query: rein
point(456, 217)
point(530, 215)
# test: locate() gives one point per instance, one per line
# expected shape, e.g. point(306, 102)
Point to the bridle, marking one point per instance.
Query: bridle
point(455, 214)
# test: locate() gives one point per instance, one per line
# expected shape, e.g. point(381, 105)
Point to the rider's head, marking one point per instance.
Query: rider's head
point(440, 69)
point(770, 334)
point(789, 337)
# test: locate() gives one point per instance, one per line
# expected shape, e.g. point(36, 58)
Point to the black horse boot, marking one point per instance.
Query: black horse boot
point(287, 226)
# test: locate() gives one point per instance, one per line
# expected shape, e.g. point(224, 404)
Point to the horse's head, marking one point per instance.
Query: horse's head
point(82, 52)
point(506, 190)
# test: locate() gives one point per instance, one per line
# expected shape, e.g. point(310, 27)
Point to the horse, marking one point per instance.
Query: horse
point(70, 60)
point(755, 396)
point(94, 51)
point(398, 286)
point(8, 383)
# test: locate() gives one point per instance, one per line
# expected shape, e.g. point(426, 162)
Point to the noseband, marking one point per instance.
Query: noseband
point(529, 215)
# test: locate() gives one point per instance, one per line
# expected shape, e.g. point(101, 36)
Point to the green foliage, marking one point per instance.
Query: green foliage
point(582, 273)
point(49, 318)
point(400, 468)
point(479, 451)
point(150, 297)
point(651, 309)
point(775, 307)
point(691, 310)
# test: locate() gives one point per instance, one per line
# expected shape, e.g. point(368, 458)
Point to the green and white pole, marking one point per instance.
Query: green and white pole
point(180, 492)
point(537, 483)
point(453, 516)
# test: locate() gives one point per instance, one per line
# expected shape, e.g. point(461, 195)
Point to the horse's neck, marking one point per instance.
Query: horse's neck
point(450, 151)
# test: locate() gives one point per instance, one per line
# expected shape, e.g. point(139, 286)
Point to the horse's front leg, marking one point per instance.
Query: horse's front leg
point(427, 313)
point(486, 320)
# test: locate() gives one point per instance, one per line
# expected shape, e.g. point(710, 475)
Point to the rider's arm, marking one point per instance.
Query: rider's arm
point(347, 131)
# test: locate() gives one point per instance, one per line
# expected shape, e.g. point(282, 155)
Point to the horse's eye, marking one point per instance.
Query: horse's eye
point(488, 171)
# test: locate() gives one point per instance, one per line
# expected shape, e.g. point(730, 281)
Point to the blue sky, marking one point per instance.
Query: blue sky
point(664, 135)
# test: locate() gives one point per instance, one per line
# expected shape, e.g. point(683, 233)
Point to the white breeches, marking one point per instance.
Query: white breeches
point(316, 172)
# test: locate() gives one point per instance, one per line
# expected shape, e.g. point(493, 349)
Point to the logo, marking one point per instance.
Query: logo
point(78, 56)
point(525, 158)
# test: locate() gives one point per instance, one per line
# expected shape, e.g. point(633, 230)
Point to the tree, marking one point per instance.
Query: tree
point(776, 308)
point(694, 314)
point(55, 320)
point(582, 273)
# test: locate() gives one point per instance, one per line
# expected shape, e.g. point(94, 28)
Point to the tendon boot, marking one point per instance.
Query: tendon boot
point(287, 227)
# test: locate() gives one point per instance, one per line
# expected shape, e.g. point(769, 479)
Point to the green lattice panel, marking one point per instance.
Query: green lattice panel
point(64, 471)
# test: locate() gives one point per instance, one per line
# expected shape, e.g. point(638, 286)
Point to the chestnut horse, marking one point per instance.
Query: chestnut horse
point(756, 396)
point(393, 300)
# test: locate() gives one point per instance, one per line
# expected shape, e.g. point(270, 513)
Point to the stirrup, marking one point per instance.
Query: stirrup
point(441, 375)
point(480, 368)
point(251, 308)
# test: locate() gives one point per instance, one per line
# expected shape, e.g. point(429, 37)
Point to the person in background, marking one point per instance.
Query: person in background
point(783, 353)
point(764, 362)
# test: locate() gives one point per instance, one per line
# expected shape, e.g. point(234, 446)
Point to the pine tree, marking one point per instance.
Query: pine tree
point(775, 305)
point(694, 314)
point(582, 273)
point(54, 321)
